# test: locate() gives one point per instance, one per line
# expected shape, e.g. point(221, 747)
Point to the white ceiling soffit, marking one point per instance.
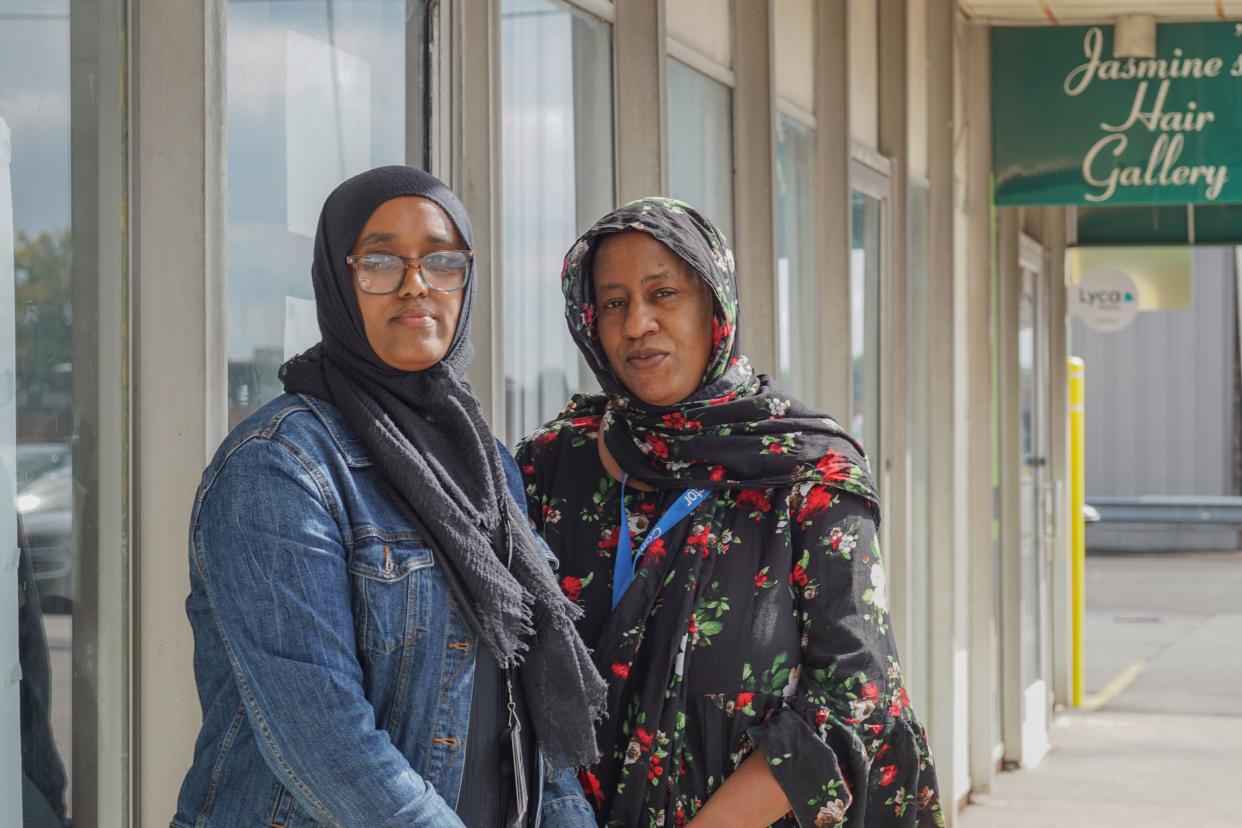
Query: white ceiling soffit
point(1077, 12)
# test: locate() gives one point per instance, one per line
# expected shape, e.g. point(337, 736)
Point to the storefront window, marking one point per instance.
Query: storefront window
point(62, 442)
point(797, 282)
point(865, 321)
point(700, 143)
point(557, 162)
point(317, 92)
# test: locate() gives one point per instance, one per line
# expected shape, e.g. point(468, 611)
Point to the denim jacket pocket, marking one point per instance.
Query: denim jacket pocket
point(388, 578)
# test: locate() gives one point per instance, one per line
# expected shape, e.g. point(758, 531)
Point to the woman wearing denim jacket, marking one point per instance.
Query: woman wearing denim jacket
point(379, 640)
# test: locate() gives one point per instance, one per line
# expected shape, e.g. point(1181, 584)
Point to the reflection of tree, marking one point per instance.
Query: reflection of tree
point(44, 335)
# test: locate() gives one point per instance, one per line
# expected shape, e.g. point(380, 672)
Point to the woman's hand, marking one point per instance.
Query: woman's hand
point(749, 798)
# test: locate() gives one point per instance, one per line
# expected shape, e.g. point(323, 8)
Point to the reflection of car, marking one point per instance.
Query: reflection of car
point(45, 509)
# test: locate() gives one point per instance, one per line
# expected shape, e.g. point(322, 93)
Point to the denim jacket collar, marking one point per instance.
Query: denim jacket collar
point(346, 441)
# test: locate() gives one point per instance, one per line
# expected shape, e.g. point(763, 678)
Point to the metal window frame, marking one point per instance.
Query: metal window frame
point(701, 63)
point(103, 699)
point(791, 110)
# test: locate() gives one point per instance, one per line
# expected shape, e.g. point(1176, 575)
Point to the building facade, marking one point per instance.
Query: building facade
point(162, 165)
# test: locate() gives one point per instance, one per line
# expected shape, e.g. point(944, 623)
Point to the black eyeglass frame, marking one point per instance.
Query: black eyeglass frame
point(415, 262)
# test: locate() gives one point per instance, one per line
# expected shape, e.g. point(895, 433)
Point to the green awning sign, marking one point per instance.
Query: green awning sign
point(1074, 125)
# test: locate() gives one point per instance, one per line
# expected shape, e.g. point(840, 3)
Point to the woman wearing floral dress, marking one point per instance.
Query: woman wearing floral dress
point(752, 674)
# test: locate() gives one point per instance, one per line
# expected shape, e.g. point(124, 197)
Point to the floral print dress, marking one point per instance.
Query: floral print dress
point(787, 647)
point(759, 622)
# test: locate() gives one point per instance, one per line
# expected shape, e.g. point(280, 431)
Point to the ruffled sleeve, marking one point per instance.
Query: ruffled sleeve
point(846, 748)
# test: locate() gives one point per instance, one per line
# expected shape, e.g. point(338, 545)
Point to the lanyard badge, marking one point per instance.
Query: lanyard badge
point(626, 560)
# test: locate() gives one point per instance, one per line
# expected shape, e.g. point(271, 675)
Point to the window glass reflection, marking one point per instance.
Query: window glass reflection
point(865, 321)
point(56, 276)
point(700, 143)
point(557, 163)
point(316, 93)
point(797, 284)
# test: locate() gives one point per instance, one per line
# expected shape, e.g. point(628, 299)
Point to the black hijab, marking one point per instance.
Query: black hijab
point(427, 435)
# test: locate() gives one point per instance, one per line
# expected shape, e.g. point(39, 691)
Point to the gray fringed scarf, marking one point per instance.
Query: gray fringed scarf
point(427, 435)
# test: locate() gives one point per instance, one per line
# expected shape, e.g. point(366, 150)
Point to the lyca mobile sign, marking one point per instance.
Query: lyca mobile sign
point(1074, 125)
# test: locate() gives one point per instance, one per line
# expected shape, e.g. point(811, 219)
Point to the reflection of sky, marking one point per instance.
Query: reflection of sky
point(34, 101)
point(267, 260)
point(544, 188)
point(700, 147)
point(538, 189)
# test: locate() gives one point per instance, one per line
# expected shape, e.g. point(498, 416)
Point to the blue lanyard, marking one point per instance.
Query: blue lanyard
point(625, 562)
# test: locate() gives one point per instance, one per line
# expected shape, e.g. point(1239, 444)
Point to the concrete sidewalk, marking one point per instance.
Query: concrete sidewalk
point(1166, 749)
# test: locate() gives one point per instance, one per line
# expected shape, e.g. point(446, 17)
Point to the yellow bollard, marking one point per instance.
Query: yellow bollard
point(1078, 526)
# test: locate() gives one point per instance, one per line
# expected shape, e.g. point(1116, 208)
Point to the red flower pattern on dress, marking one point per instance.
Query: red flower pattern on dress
point(888, 775)
point(834, 466)
point(591, 788)
point(698, 538)
point(817, 500)
point(621, 671)
point(608, 539)
point(658, 446)
point(901, 700)
point(744, 699)
point(644, 737)
point(572, 587)
point(655, 553)
point(798, 576)
point(870, 691)
point(590, 423)
point(761, 578)
point(717, 473)
point(756, 500)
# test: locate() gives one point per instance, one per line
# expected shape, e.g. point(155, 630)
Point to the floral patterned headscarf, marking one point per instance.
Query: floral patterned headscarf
point(737, 430)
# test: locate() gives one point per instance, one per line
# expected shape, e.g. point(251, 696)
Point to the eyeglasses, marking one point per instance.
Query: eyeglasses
point(444, 271)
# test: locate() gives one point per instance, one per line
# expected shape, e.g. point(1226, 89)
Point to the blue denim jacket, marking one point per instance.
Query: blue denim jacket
point(333, 667)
